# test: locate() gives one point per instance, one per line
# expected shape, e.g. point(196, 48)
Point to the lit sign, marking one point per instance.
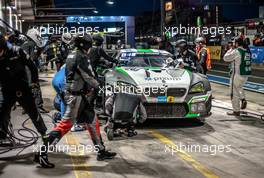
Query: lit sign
point(80, 19)
point(168, 6)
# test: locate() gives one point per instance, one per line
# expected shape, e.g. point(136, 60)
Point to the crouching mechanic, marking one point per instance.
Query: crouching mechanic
point(127, 108)
point(79, 84)
point(17, 87)
point(58, 83)
point(240, 59)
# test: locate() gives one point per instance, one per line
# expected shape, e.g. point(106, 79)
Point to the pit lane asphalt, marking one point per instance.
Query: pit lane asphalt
point(152, 153)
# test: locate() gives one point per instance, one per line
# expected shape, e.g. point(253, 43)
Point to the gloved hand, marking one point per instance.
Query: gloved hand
point(35, 89)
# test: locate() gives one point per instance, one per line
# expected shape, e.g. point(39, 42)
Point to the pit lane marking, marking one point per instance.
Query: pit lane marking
point(185, 156)
point(76, 161)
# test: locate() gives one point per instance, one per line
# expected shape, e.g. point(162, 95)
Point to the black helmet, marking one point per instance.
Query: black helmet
point(83, 41)
point(98, 39)
point(3, 44)
point(181, 43)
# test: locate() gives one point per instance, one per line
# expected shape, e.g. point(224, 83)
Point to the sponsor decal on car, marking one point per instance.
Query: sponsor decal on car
point(162, 78)
point(170, 99)
point(162, 99)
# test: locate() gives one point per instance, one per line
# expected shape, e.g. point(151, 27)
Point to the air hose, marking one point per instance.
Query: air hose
point(20, 138)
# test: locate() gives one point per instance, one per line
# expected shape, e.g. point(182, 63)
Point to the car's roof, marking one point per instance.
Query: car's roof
point(145, 51)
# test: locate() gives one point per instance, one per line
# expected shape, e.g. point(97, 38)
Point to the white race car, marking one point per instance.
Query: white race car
point(166, 92)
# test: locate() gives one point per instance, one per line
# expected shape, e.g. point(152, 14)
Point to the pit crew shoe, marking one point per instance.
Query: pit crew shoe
point(42, 160)
point(233, 113)
point(103, 154)
point(77, 128)
point(243, 104)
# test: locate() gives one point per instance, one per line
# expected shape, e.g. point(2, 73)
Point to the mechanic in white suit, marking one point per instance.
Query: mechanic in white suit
point(240, 59)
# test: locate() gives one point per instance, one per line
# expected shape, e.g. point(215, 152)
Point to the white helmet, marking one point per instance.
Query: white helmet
point(34, 34)
point(66, 38)
point(200, 40)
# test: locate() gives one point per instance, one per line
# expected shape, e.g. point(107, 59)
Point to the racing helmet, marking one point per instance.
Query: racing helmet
point(34, 35)
point(98, 39)
point(181, 45)
point(66, 38)
point(83, 41)
point(199, 40)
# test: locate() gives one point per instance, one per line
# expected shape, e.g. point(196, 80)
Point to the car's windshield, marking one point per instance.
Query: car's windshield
point(144, 61)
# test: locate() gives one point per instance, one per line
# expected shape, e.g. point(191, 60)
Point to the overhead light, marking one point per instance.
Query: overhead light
point(110, 2)
point(95, 11)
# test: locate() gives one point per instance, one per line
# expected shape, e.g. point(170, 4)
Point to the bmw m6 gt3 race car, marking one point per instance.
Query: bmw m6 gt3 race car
point(167, 92)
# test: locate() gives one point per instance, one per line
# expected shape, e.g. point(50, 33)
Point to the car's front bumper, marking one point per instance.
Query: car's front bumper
point(195, 106)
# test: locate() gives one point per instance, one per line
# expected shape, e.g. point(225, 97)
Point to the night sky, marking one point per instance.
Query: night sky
point(137, 7)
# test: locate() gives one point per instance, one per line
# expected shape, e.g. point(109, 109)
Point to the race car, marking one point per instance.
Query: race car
point(166, 92)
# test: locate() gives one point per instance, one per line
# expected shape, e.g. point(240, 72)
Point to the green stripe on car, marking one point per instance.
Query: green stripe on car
point(144, 51)
point(192, 115)
point(121, 70)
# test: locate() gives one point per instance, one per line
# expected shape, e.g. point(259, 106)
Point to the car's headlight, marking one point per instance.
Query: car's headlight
point(197, 88)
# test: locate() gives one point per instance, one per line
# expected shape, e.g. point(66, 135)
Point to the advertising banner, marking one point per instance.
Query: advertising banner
point(215, 52)
point(257, 54)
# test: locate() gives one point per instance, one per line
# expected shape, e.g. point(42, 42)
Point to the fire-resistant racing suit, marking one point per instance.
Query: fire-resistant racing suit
point(15, 87)
point(32, 53)
point(79, 85)
point(240, 59)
